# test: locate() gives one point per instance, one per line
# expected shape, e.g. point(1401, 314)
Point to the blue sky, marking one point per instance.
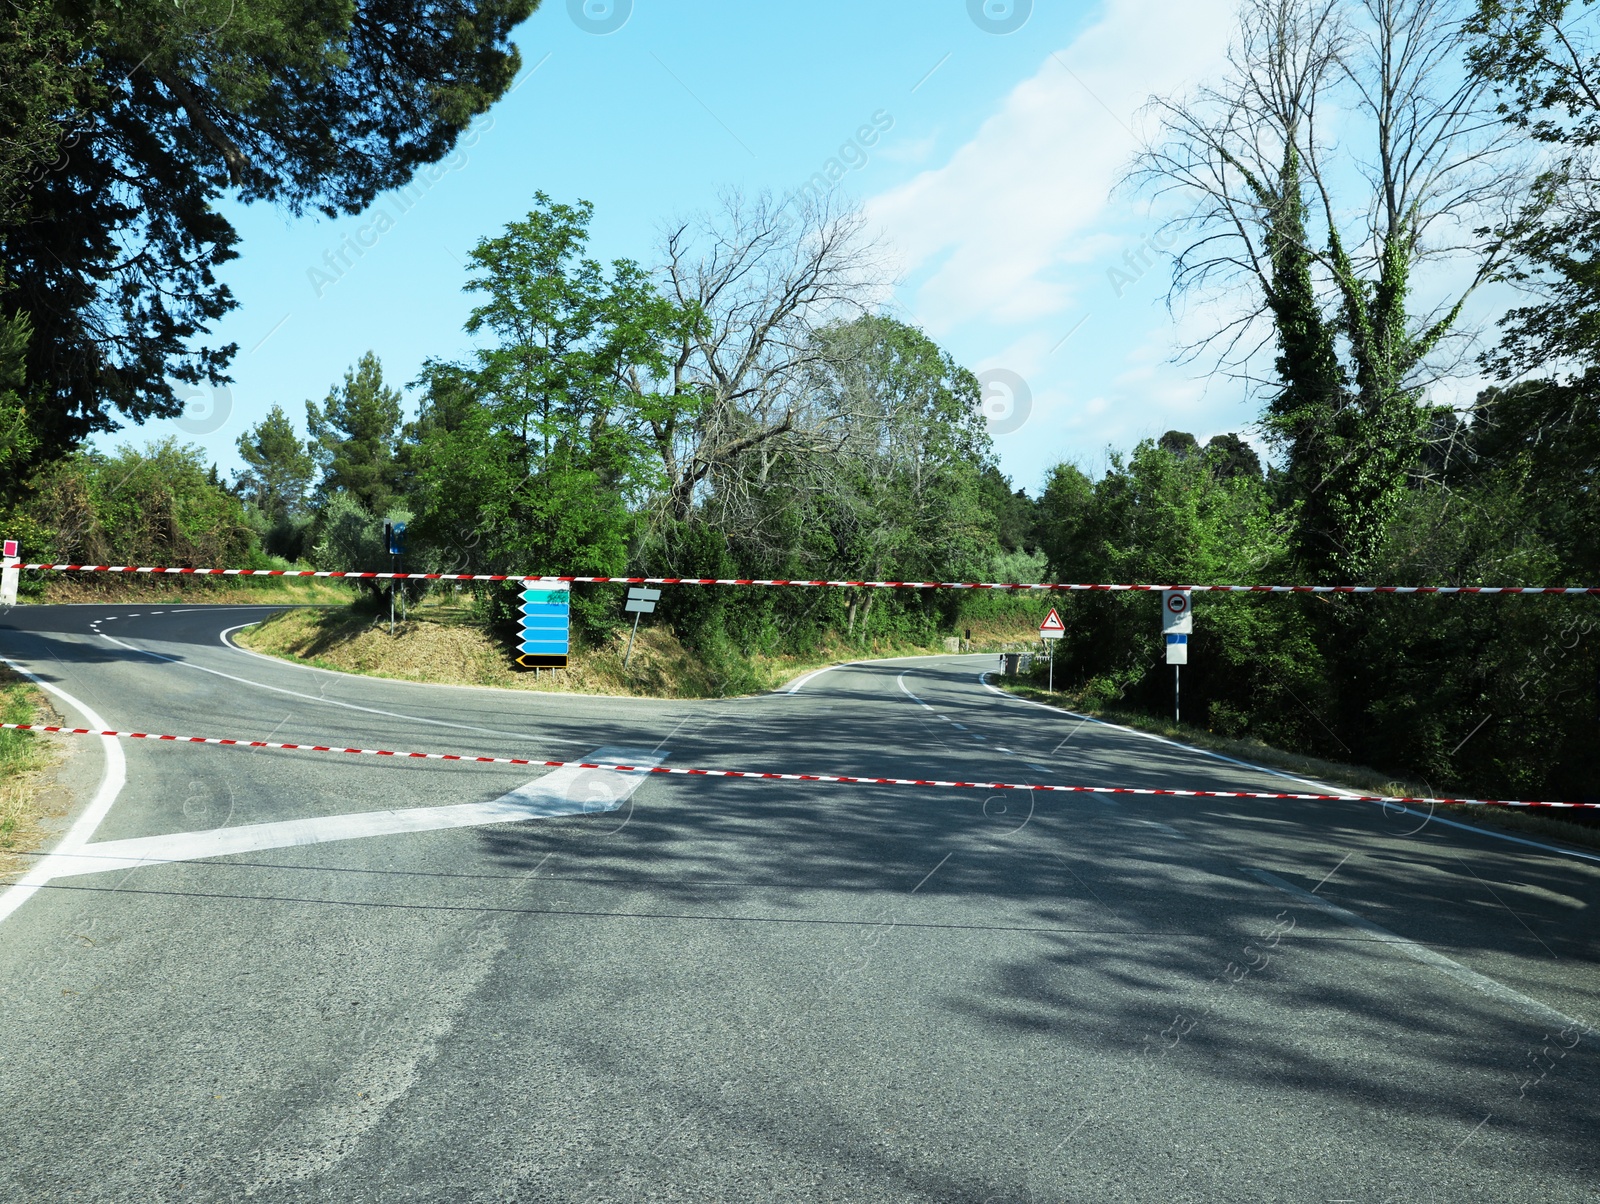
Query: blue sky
point(992, 190)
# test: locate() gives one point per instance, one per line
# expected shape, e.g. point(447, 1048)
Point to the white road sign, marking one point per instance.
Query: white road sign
point(1176, 615)
point(1052, 628)
point(641, 601)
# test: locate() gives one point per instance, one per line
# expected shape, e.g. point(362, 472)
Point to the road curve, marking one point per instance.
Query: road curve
point(287, 976)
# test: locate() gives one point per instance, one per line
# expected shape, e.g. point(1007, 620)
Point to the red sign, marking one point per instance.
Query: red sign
point(1177, 601)
point(1052, 628)
point(11, 548)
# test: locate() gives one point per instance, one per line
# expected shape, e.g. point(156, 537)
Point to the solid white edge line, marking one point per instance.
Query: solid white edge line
point(112, 779)
point(1322, 787)
point(1542, 1012)
point(795, 686)
point(332, 702)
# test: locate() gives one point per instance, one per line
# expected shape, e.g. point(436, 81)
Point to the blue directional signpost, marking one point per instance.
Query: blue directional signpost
point(546, 615)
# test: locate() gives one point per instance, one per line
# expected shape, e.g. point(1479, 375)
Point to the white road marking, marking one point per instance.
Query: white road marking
point(1322, 787)
point(796, 686)
point(960, 727)
point(111, 782)
point(332, 702)
point(1542, 1012)
point(882, 660)
point(566, 791)
point(904, 689)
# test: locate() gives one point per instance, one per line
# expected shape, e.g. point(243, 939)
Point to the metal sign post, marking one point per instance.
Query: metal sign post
point(640, 602)
point(394, 535)
point(1052, 629)
point(1177, 624)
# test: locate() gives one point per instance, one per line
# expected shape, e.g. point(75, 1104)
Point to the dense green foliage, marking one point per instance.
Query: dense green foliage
point(161, 506)
point(122, 123)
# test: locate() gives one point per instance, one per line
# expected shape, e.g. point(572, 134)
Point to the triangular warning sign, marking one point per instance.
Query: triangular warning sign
point(1052, 623)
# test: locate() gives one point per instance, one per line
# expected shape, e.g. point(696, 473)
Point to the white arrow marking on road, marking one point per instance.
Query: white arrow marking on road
point(111, 782)
point(567, 791)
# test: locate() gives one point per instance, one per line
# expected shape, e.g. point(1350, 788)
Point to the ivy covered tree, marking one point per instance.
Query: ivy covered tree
point(1324, 276)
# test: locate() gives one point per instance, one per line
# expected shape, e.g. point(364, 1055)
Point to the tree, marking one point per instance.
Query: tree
point(1179, 443)
point(45, 78)
point(908, 452)
point(1163, 515)
point(292, 102)
point(1544, 63)
point(1228, 456)
point(16, 436)
point(280, 465)
point(760, 279)
point(157, 505)
point(539, 453)
point(353, 435)
point(1325, 275)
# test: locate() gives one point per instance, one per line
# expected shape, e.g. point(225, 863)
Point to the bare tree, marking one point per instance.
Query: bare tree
point(1349, 144)
point(757, 280)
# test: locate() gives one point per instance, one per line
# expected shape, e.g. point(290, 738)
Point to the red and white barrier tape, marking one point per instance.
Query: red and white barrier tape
point(794, 777)
point(1568, 591)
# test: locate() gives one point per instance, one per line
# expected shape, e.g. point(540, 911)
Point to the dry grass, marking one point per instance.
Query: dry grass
point(25, 762)
point(113, 589)
point(445, 644)
point(1357, 778)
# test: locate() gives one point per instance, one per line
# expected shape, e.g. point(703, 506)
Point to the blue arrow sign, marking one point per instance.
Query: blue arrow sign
point(535, 609)
point(546, 647)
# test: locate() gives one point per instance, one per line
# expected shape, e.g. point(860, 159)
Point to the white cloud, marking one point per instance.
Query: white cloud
point(995, 232)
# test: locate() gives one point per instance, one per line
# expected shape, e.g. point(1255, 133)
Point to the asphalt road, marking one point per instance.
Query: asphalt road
point(743, 990)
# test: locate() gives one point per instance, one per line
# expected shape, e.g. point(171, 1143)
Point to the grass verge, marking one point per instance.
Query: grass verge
point(24, 760)
point(1358, 778)
point(447, 644)
point(109, 589)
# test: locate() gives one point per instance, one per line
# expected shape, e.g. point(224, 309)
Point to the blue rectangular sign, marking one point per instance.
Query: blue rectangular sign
point(546, 621)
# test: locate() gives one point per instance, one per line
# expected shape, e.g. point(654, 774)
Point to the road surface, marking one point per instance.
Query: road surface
point(286, 976)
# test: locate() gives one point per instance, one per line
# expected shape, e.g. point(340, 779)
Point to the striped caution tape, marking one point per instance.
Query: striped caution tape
point(844, 779)
point(1066, 586)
